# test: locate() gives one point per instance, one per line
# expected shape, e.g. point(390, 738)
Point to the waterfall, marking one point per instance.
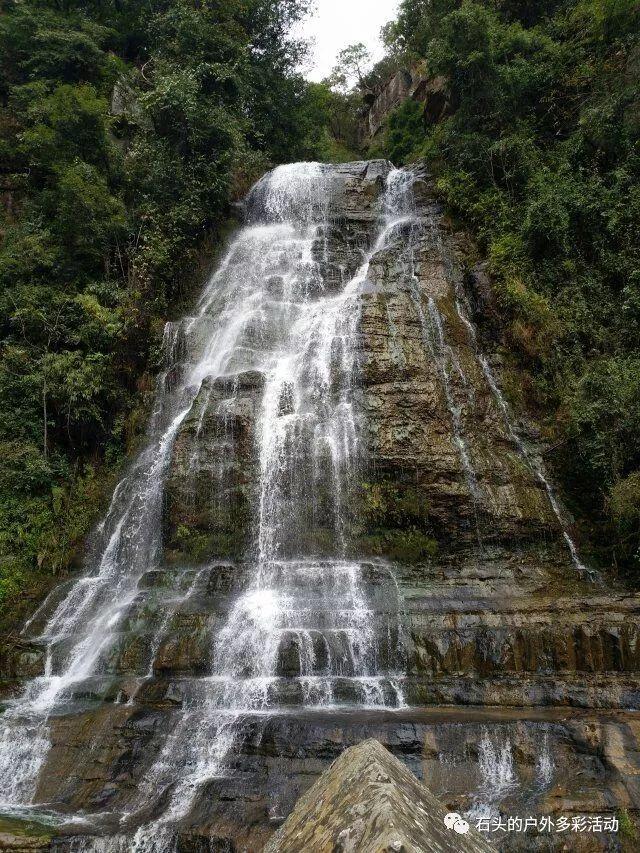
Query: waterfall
point(497, 775)
point(545, 766)
point(83, 625)
point(532, 461)
point(415, 224)
point(431, 324)
point(268, 313)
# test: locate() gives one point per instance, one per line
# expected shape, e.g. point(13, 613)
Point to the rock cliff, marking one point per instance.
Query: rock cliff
point(407, 84)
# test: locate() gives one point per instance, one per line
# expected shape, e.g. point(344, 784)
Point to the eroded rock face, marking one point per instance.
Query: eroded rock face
point(518, 761)
point(368, 801)
point(433, 423)
point(407, 84)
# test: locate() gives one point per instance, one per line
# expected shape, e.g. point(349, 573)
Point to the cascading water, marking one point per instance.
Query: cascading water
point(416, 225)
point(533, 461)
point(545, 766)
point(84, 624)
point(497, 775)
point(269, 313)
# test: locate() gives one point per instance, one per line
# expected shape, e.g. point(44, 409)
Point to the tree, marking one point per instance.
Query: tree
point(351, 67)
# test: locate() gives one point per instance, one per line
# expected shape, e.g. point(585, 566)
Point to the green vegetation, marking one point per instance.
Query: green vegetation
point(126, 130)
point(25, 829)
point(395, 523)
point(628, 830)
point(539, 155)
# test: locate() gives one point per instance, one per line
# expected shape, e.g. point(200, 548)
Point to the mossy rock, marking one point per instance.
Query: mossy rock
point(227, 540)
point(14, 832)
point(389, 503)
point(394, 523)
point(401, 546)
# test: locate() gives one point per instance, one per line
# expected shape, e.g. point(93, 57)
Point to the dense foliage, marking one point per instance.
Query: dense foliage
point(126, 128)
point(540, 154)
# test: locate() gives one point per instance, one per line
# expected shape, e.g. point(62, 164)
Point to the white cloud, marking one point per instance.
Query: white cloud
point(337, 23)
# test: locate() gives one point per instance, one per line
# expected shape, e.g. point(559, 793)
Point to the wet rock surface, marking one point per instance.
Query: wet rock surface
point(522, 762)
point(432, 419)
point(213, 471)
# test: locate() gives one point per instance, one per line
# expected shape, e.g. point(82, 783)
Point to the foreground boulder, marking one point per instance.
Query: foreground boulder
point(367, 801)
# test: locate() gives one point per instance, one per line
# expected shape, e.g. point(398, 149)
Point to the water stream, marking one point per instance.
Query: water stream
point(266, 311)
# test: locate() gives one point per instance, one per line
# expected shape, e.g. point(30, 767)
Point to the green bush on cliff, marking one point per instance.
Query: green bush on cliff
point(539, 154)
point(394, 518)
point(404, 125)
point(125, 131)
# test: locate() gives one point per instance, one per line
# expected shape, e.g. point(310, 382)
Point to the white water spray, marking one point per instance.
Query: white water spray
point(304, 630)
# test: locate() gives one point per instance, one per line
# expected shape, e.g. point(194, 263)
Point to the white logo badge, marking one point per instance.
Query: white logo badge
point(454, 821)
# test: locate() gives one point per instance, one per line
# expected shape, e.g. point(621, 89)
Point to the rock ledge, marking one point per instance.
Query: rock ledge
point(367, 801)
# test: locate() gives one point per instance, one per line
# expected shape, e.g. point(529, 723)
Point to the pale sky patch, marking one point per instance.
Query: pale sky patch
point(337, 23)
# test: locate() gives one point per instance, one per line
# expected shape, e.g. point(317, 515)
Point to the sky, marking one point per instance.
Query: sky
point(338, 23)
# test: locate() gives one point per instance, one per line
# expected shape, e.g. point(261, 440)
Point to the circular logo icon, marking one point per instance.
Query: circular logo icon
point(454, 821)
point(450, 819)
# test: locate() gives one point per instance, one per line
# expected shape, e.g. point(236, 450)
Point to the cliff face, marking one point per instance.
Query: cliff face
point(407, 84)
point(433, 422)
point(453, 554)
